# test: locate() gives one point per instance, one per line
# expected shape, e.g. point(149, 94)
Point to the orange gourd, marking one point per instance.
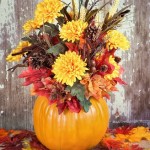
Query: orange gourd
point(69, 130)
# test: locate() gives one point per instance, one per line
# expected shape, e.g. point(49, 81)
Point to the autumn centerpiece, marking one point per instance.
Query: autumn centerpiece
point(69, 55)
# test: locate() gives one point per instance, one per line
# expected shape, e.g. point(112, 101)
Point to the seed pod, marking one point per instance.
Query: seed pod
point(93, 63)
point(103, 68)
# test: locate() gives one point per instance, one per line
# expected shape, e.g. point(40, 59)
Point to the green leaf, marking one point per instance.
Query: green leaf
point(57, 49)
point(77, 90)
point(86, 105)
point(51, 29)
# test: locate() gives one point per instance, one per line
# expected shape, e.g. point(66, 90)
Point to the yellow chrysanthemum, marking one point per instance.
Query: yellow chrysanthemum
point(116, 39)
point(30, 25)
point(73, 30)
point(68, 67)
point(19, 48)
point(48, 11)
point(116, 71)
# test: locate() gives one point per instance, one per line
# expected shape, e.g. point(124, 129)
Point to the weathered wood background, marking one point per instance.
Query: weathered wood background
point(130, 104)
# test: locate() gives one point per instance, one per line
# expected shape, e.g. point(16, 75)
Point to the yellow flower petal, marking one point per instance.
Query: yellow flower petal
point(30, 25)
point(69, 67)
point(115, 39)
point(48, 11)
point(19, 48)
point(116, 71)
point(73, 30)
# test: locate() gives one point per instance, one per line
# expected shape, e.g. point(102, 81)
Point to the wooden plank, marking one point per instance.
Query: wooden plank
point(139, 91)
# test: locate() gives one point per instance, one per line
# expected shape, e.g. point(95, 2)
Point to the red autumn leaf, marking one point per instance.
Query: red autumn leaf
point(16, 139)
point(126, 130)
point(61, 107)
point(103, 61)
point(106, 95)
point(43, 92)
point(55, 40)
point(74, 105)
point(72, 47)
point(120, 81)
point(38, 85)
point(35, 73)
point(52, 101)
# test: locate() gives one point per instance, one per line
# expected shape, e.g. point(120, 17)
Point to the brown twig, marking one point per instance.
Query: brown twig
point(15, 67)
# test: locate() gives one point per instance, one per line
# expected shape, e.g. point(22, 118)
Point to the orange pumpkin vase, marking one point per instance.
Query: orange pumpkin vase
point(69, 130)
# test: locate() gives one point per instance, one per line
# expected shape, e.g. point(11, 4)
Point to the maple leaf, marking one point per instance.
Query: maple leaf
point(97, 86)
point(139, 133)
point(122, 133)
point(126, 130)
point(34, 75)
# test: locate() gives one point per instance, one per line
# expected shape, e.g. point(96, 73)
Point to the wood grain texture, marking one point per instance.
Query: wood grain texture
point(131, 103)
point(15, 102)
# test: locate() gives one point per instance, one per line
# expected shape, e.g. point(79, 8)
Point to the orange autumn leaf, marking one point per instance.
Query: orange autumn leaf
point(111, 143)
point(82, 44)
point(122, 133)
point(121, 137)
point(96, 86)
point(3, 133)
point(3, 136)
point(72, 47)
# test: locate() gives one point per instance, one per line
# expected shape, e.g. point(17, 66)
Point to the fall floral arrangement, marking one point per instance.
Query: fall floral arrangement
point(69, 53)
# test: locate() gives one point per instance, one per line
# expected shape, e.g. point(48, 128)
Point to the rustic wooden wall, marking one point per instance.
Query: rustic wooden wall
point(130, 104)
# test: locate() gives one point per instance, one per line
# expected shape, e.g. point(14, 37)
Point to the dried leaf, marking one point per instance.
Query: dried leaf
point(86, 3)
